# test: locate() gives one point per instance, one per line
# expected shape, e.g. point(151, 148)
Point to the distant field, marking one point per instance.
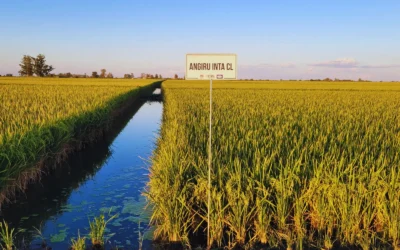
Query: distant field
point(38, 116)
point(291, 167)
point(74, 81)
point(301, 85)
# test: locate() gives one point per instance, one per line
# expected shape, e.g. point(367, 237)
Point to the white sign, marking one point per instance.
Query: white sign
point(211, 66)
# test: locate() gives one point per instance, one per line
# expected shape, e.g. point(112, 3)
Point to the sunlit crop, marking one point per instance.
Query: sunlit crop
point(39, 117)
point(294, 164)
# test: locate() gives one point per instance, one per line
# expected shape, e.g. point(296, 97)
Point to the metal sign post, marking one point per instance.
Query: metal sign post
point(209, 168)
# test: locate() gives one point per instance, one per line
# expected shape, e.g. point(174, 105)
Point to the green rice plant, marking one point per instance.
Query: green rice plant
point(240, 213)
point(392, 209)
point(6, 236)
point(39, 235)
point(262, 222)
point(97, 229)
point(217, 215)
point(295, 164)
point(78, 243)
point(140, 237)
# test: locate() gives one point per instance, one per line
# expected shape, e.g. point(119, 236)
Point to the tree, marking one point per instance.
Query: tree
point(9, 75)
point(160, 76)
point(156, 76)
point(40, 68)
point(26, 66)
point(65, 75)
point(132, 75)
point(103, 73)
point(176, 76)
point(94, 74)
point(110, 75)
point(128, 76)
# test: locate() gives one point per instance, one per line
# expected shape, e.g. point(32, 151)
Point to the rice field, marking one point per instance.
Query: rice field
point(295, 165)
point(41, 118)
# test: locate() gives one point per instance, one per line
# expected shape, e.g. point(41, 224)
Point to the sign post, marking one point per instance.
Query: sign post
point(218, 67)
point(209, 168)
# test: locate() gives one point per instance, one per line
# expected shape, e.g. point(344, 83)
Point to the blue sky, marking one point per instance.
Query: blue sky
point(272, 39)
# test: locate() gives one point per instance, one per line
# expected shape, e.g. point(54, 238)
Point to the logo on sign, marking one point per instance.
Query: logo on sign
point(220, 76)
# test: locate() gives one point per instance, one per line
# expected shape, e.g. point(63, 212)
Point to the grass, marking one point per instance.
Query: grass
point(295, 164)
point(44, 118)
point(97, 229)
point(79, 243)
point(96, 234)
point(6, 236)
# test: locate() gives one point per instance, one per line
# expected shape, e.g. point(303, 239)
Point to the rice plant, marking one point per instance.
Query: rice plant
point(41, 118)
point(78, 243)
point(97, 229)
point(295, 164)
point(6, 236)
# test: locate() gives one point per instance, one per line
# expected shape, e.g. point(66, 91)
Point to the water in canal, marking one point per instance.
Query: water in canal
point(109, 175)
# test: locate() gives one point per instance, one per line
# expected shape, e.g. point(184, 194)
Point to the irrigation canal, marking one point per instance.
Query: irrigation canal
point(108, 175)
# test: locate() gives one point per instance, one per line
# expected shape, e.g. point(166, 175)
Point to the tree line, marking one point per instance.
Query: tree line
point(312, 80)
point(104, 74)
point(338, 80)
point(37, 66)
point(34, 65)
